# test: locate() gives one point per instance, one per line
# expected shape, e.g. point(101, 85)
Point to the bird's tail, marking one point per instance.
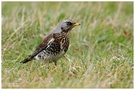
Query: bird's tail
point(26, 60)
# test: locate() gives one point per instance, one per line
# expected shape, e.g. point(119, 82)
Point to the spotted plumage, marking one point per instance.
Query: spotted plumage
point(55, 45)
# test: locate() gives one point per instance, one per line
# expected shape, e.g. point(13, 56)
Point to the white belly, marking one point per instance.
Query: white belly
point(50, 58)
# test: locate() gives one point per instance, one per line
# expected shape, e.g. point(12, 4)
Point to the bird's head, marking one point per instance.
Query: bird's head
point(66, 26)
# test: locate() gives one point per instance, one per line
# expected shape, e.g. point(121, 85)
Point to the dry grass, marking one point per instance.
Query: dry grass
point(100, 53)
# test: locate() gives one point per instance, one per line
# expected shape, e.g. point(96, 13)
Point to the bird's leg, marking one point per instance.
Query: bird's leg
point(55, 63)
point(48, 67)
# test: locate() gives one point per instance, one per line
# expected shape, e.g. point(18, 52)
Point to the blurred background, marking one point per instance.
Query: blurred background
point(100, 54)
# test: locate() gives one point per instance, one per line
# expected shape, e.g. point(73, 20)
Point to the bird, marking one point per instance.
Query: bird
point(55, 45)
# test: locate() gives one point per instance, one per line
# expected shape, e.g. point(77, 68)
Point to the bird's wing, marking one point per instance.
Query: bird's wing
point(48, 40)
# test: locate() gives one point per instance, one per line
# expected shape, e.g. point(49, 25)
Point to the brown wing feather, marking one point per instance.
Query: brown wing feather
point(42, 46)
point(44, 42)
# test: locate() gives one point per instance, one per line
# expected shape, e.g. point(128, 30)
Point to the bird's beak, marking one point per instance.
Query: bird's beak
point(76, 24)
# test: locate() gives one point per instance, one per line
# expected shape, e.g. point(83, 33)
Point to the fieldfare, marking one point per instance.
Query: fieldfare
point(55, 45)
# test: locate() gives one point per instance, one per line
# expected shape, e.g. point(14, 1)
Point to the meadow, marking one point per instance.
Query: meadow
point(100, 54)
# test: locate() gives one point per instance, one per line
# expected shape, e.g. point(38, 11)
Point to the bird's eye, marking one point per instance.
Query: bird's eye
point(69, 23)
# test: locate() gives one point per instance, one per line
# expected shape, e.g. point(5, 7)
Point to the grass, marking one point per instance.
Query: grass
point(100, 54)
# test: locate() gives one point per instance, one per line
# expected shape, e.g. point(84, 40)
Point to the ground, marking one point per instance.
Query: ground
point(100, 54)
